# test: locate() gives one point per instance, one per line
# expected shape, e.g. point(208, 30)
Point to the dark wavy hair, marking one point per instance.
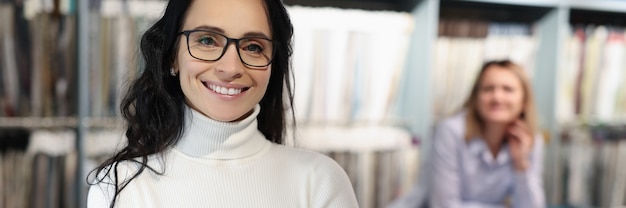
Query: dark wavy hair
point(154, 105)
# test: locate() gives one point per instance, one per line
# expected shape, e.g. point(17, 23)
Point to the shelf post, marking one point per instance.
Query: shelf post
point(415, 105)
point(552, 32)
point(83, 99)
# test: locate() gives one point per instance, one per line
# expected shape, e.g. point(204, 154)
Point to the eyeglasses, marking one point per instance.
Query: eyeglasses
point(211, 46)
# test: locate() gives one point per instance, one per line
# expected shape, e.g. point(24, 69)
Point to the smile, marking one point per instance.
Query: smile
point(225, 90)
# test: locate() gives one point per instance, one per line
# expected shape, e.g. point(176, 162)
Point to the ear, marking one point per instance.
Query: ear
point(175, 54)
point(172, 72)
point(174, 66)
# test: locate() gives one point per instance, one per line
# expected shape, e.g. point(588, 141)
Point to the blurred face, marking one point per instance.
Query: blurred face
point(225, 89)
point(500, 96)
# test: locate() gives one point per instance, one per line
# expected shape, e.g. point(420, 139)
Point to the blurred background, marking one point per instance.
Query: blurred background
point(372, 78)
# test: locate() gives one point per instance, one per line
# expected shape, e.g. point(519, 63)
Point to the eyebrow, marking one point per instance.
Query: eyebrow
point(220, 30)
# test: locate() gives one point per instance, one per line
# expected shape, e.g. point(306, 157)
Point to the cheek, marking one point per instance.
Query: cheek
point(188, 66)
point(183, 59)
point(264, 80)
point(516, 97)
point(482, 105)
point(519, 101)
point(483, 100)
point(263, 77)
point(188, 73)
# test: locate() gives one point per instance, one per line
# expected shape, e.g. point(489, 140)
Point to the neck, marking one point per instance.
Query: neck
point(493, 134)
point(204, 136)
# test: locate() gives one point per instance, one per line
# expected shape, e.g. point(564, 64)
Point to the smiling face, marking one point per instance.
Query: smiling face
point(500, 96)
point(226, 89)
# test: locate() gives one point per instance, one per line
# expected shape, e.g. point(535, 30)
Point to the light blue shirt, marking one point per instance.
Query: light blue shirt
point(465, 174)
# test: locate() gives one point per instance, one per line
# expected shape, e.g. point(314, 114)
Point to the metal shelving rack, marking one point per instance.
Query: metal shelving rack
point(552, 18)
point(83, 98)
point(415, 108)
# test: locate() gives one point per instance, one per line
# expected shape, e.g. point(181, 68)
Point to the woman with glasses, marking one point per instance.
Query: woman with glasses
point(206, 118)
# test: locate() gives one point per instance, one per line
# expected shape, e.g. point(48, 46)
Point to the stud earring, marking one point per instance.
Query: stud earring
point(172, 72)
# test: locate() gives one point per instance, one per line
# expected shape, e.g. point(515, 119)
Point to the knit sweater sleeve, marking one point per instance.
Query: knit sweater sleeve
point(330, 186)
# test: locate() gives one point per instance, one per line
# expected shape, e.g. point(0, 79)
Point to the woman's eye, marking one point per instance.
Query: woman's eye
point(254, 48)
point(206, 41)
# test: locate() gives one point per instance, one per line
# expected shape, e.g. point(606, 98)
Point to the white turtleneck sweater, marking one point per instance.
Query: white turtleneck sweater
point(219, 164)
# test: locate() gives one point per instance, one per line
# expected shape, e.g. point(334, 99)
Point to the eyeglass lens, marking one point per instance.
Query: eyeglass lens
point(210, 46)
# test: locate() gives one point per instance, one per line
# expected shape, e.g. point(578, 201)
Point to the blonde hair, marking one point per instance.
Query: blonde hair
point(474, 124)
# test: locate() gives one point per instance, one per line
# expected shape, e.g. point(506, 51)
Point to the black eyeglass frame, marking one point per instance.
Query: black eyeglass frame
point(228, 41)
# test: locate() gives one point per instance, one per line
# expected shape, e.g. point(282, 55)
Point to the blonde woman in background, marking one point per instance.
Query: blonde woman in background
point(490, 153)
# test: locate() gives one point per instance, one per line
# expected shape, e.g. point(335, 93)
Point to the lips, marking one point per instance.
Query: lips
point(232, 91)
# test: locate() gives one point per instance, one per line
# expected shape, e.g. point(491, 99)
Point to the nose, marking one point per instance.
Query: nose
point(229, 67)
point(498, 94)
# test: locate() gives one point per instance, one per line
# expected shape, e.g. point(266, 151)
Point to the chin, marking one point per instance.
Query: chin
point(499, 118)
point(227, 113)
point(223, 116)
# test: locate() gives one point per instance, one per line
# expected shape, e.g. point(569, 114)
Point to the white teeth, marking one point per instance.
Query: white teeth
point(225, 90)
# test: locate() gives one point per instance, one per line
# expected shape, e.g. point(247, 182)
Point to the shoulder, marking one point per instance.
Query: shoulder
point(315, 166)
point(450, 129)
point(103, 187)
point(309, 164)
point(119, 172)
point(455, 123)
point(128, 168)
point(326, 182)
point(303, 158)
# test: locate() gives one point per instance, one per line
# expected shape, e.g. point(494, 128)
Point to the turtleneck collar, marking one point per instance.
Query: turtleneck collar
point(208, 138)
